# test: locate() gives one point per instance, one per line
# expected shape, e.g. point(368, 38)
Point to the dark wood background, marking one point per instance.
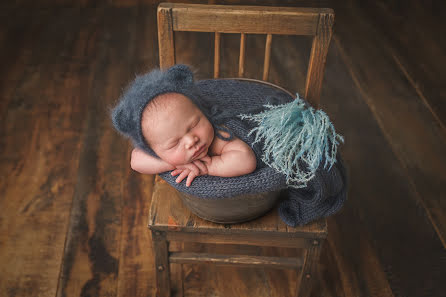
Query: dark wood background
point(73, 214)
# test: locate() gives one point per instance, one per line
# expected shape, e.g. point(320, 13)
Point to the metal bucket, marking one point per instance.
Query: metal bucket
point(231, 210)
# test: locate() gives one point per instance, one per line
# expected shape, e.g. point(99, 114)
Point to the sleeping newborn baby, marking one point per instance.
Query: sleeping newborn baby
point(181, 126)
point(183, 138)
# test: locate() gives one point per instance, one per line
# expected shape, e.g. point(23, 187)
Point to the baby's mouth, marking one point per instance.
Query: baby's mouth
point(199, 151)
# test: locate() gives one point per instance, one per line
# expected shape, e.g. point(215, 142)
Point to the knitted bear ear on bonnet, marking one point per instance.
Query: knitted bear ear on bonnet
point(127, 114)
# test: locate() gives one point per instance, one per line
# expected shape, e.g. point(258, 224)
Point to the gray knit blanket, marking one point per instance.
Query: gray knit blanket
point(324, 195)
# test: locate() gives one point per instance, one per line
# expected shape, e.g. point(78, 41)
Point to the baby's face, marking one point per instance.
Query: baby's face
point(177, 131)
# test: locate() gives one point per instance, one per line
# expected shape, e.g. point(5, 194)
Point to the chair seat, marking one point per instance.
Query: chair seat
point(168, 213)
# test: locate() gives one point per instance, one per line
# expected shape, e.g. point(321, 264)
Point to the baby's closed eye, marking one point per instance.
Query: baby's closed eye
point(172, 145)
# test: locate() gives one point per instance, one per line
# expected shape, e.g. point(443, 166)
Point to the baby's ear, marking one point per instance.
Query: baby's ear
point(180, 74)
point(122, 119)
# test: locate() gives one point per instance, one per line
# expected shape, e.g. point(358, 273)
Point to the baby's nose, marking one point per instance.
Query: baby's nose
point(191, 142)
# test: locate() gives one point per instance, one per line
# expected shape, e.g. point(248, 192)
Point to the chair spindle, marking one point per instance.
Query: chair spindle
point(217, 54)
point(269, 38)
point(241, 63)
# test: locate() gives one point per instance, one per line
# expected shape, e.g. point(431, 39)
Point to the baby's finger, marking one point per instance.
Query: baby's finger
point(201, 166)
point(182, 175)
point(206, 158)
point(194, 168)
point(190, 178)
point(176, 172)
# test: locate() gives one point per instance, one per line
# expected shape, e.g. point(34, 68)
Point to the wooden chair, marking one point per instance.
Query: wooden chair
point(169, 219)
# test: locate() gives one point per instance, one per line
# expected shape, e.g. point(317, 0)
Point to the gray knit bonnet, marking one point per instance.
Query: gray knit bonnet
point(127, 114)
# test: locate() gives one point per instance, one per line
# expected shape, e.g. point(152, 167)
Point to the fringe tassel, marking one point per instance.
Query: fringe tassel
point(295, 135)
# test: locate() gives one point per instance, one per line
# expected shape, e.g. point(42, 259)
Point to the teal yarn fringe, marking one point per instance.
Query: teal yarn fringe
point(295, 135)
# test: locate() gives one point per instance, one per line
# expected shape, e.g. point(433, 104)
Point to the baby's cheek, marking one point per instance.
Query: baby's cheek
point(177, 159)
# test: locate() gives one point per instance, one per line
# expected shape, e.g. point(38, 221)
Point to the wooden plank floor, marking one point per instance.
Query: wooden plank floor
point(73, 215)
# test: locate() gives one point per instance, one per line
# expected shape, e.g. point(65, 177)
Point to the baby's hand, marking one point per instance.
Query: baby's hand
point(191, 170)
point(206, 160)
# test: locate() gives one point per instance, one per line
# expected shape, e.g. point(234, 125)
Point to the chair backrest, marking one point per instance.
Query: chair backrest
point(316, 22)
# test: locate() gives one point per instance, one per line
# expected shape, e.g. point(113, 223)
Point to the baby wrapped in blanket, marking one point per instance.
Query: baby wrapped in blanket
point(189, 129)
point(183, 138)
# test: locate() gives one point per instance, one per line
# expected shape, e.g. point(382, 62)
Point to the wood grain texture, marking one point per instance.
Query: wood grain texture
point(416, 45)
point(318, 56)
point(383, 199)
point(241, 63)
point(136, 276)
point(266, 61)
point(246, 19)
point(40, 141)
point(136, 266)
point(166, 38)
point(59, 59)
point(239, 260)
point(309, 271)
point(93, 248)
point(161, 260)
point(217, 55)
point(408, 125)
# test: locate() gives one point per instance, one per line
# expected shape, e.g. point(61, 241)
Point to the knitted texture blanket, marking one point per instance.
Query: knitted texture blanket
point(222, 101)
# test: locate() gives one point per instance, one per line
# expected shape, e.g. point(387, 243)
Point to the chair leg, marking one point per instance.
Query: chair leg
point(161, 253)
point(309, 270)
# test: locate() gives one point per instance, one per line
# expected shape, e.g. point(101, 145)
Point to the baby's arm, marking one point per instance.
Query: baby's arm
point(228, 159)
point(147, 164)
point(236, 158)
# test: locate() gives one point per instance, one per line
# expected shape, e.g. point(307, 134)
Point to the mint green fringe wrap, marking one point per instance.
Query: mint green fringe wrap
point(296, 139)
